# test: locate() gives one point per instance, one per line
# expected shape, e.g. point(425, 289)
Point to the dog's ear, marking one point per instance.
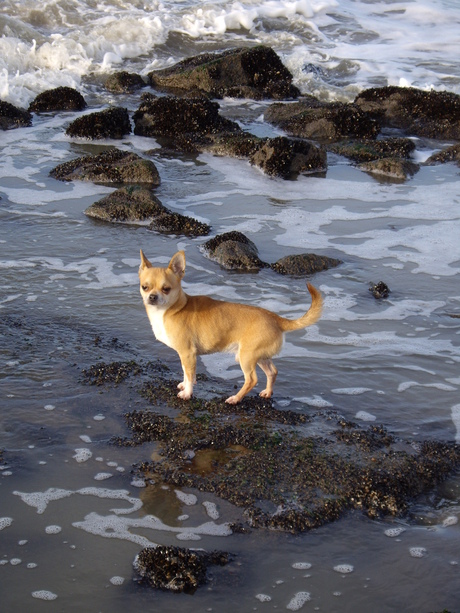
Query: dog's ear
point(144, 262)
point(177, 264)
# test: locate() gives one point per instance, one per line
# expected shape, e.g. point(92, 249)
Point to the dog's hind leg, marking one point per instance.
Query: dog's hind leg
point(248, 366)
point(270, 371)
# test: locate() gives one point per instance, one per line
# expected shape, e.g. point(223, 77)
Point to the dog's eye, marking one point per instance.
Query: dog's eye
point(145, 288)
point(165, 289)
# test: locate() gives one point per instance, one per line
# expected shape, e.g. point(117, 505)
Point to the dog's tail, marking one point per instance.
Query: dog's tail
point(310, 317)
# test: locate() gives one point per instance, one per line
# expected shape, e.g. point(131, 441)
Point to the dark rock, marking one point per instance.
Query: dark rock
point(136, 205)
point(111, 166)
point(124, 82)
point(182, 120)
point(312, 119)
point(369, 150)
point(111, 123)
point(13, 117)
point(234, 251)
point(450, 154)
point(379, 290)
point(391, 168)
point(176, 569)
point(240, 73)
point(304, 264)
point(424, 113)
point(234, 144)
point(285, 157)
point(58, 99)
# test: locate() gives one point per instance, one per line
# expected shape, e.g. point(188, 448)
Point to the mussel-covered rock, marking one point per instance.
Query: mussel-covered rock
point(379, 290)
point(256, 73)
point(13, 117)
point(391, 168)
point(234, 251)
point(124, 82)
point(365, 150)
point(110, 166)
point(304, 264)
point(285, 157)
point(110, 123)
point(58, 99)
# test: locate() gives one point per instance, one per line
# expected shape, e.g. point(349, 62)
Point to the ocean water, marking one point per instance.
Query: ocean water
point(72, 518)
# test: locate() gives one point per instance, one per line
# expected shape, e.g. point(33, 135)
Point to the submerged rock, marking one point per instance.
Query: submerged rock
point(423, 113)
point(304, 264)
point(137, 204)
point(234, 251)
point(450, 154)
point(321, 121)
point(124, 82)
point(111, 166)
point(256, 73)
point(176, 569)
point(13, 117)
point(58, 99)
point(111, 123)
point(365, 150)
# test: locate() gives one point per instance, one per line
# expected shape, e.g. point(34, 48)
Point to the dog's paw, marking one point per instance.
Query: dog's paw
point(265, 394)
point(181, 385)
point(232, 400)
point(184, 395)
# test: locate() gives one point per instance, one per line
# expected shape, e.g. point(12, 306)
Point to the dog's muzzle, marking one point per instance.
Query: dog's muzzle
point(153, 299)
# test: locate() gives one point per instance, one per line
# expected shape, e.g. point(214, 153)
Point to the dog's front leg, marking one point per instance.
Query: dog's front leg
point(188, 361)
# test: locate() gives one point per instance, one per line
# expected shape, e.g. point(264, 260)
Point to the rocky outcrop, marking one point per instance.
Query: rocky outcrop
point(364, 150)
point(450, 154)
point(304, 264)
point(396, 169)
point(284, 157)
point(138, 205)
point(111, 166)
point(111, 123)
point(256, 73)
point(379, 290)
point(234, 251)
point(321, 121)
point(58, 99)
point(124, 82)
point(423, 113)
point(13, 117)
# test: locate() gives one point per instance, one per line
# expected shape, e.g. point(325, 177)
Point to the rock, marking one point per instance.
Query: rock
point(111, 123)
point(365, 150)
point(392, 168)
point(183, 121)
point(124, 82)
point(379, 290)
point(256, 73)
point(138, 205)
point(423, 113)
point(58, 99)
point(234, 251)
point(312, 119)
point(13, 117)
point(111, 166)
point(285, 157)
point(450, 154)
point(304, 264)
point(175, 568)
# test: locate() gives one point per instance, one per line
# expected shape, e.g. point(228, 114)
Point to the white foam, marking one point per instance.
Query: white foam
point(394, 532)
point(455, 411)
point(417, 552)
point(344, 569)
point(298, 600)
point(314, 401)
point(82, 454)
point(44, 595)
point(301, 565)
point(117, 580)
point(188, 536)
point(53, 529)
point(102, 476)
point(211, 509)
point(365, 416)
point(263, 597)
point(5, 522)
point(402, 387)
point(15, 561)
point(187, 499)
point(351, 391)
point(451, 520)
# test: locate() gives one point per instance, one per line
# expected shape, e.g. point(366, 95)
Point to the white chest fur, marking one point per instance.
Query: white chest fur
point(156, 317)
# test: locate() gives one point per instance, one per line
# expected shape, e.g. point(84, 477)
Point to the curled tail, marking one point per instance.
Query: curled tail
point(310, 317)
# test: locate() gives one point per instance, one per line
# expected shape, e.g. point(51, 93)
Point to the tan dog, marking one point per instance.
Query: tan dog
point(197, 325)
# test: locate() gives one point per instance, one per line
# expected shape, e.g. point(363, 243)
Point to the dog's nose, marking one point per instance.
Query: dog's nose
point(153, 298)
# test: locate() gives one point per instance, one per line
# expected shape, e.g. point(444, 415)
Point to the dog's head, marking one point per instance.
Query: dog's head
point(161, 287)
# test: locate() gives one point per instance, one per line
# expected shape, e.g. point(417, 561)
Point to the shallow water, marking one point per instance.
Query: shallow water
point(72, 517)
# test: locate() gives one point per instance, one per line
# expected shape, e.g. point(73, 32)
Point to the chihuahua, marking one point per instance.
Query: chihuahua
point(197, 325)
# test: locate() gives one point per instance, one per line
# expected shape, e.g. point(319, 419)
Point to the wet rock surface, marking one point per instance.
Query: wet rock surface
point(13, 117)
point(392, 168)
point(379, 290)
point(138, 204)
point(256, 73)
point(312, 119)
point(58, 99)
point(365, 150)
point(304, 264)
point(124, 82)
point(423, 113)
point(234, 251)
point(285, 158)
point(450, 154)
point(111, 123)
point(111, 166)
point(176, 569)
